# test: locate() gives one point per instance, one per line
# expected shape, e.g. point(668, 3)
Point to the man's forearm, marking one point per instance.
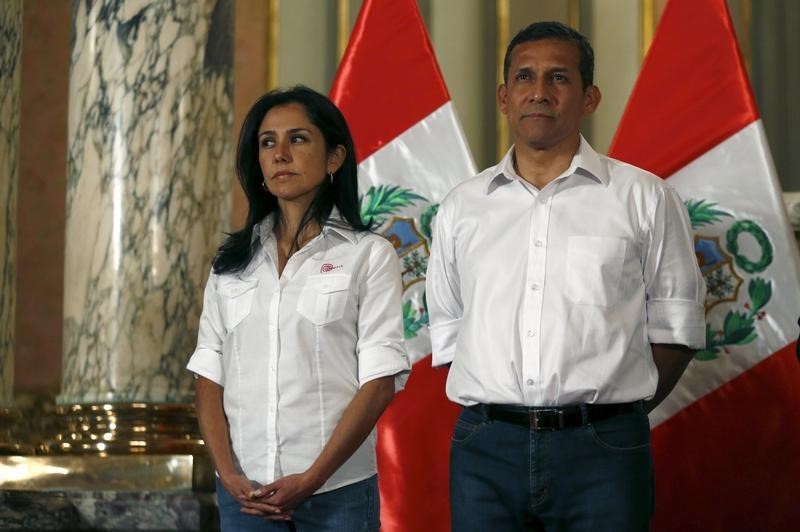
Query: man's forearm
point(671, 361)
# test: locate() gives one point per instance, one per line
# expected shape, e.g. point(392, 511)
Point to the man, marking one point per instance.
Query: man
point(565, 295)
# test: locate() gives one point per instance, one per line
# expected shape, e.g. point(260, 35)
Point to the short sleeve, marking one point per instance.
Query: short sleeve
point(674, 285)
point(206, 361)
point(381, 345)
point(443, 291)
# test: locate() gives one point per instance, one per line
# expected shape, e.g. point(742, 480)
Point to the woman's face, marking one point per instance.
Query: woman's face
point(292, 154)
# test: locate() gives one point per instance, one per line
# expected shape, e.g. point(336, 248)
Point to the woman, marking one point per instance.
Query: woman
point(301, 336)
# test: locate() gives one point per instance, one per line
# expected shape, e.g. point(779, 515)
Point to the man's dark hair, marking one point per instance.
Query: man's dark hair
point(554, 30)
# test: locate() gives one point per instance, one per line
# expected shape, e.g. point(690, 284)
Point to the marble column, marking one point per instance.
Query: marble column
point(10, 66)
point(148, 192)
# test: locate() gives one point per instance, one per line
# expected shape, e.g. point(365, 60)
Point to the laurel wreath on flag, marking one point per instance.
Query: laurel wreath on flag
point(377, 205)
point(738, 326)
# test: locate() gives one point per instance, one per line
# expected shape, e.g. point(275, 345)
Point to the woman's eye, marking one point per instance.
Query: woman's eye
point(298, 138)
point(267, 143)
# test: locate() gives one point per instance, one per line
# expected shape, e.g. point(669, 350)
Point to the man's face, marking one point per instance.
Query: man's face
point(543, 97)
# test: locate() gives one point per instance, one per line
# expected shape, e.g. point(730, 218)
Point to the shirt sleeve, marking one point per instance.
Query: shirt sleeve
point(674, 285)
point(206, 361)
point(381, 345)
point(443, 291)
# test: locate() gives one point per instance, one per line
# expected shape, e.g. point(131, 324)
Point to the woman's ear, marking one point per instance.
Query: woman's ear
point(336, 159)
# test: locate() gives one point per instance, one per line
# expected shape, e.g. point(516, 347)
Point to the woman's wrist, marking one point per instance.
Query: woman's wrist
point(314, 478)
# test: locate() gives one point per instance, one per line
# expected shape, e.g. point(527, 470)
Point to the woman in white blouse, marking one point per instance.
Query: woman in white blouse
point(301, 336)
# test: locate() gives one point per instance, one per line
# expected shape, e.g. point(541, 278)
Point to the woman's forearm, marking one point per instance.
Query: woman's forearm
point(357, 421)
point(214, 425)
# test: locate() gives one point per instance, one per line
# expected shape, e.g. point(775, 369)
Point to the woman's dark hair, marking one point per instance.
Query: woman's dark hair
point(239, 248)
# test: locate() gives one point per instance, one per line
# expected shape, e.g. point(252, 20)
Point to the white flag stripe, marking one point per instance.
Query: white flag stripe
point(430, 157)
point(739, 177)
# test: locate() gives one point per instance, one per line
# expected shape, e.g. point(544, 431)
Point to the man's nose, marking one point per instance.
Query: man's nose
point(540, 90)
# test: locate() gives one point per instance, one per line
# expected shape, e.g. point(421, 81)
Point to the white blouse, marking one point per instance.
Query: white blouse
point(292, 351)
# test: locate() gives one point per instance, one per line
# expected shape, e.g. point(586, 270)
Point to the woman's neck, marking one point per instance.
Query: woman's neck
point(287, 227)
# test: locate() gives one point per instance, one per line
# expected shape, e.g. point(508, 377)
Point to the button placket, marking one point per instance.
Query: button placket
point(537, 255)
point(272, 392)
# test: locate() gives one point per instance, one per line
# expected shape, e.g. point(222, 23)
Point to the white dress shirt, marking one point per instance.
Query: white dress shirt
point(292, 351)
point(553, 296)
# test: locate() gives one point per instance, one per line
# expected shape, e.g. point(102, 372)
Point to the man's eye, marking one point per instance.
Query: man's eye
point(523, 76)
point(559, 77)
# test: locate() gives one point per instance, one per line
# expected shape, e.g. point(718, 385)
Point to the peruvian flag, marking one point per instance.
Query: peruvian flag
point(726, 442)
point(411, 152)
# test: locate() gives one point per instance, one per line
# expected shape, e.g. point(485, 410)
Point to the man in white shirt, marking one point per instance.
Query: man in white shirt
point(564, 294)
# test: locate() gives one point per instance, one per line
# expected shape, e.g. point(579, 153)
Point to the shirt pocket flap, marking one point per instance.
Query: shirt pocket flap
point(236, 287)
point(327, 284)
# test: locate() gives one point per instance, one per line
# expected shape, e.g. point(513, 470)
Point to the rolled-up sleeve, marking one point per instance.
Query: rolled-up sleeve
point(381, 346)
point(443, 292)
point(206, 360)
point(673, 282)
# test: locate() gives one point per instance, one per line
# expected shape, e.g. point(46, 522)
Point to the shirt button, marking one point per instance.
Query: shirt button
point(538, 243)
point(530, 332)
point(535, 286)
point(530, 382)
point(543, 201)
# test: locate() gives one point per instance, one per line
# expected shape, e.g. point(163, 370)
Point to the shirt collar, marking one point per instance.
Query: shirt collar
point(585, 162)
point(335, 224)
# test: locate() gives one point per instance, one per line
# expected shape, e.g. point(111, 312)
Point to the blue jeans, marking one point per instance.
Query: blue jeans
point(597, 477)
point(355, 507)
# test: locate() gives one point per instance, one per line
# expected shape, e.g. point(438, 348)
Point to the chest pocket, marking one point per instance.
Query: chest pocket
point(594, 270)
point(324, 297)
point(236, 300)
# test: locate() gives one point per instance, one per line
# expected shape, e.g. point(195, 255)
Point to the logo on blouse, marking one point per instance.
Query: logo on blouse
point(405, 219)
point(725, 267)
point(328, 267)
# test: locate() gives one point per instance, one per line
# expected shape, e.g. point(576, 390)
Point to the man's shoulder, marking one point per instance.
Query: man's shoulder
point(471, 187)
point(625, 175)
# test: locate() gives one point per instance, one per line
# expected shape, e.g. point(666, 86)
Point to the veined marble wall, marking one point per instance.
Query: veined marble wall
point(148, 191)
point(10, 66)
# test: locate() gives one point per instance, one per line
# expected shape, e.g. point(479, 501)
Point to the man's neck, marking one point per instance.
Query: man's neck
point(541, 166)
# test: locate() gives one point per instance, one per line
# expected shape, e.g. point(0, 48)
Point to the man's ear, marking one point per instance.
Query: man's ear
point(591, 99)
point(502, 98)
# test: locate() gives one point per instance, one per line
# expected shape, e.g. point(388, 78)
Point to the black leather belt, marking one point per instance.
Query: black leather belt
point(554, 418)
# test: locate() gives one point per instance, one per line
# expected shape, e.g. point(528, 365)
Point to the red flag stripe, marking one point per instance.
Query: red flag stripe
point(688, 102)
point(414, 456)
point(388, 79)
point(739, 456)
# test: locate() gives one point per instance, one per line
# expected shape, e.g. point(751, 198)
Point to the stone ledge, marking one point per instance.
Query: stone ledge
point(107, 510)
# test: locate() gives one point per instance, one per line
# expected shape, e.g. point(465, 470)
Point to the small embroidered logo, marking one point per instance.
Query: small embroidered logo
point(328, 267)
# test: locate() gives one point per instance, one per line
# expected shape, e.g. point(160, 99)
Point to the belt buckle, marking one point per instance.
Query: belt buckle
point(546, 419)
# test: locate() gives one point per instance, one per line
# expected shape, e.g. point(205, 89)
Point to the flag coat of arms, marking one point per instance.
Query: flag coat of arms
point(411, 152)
point(726, 441)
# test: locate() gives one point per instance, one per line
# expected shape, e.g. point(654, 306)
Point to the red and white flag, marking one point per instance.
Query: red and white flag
point(726, 442)
point(411, 152)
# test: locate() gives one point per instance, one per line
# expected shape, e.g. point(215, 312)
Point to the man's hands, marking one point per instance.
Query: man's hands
point(671, 360)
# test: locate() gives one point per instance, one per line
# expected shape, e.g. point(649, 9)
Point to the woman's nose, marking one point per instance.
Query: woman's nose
point(282, 152)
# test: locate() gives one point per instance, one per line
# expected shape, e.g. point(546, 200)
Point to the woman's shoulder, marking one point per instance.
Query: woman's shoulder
point(372, 239)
